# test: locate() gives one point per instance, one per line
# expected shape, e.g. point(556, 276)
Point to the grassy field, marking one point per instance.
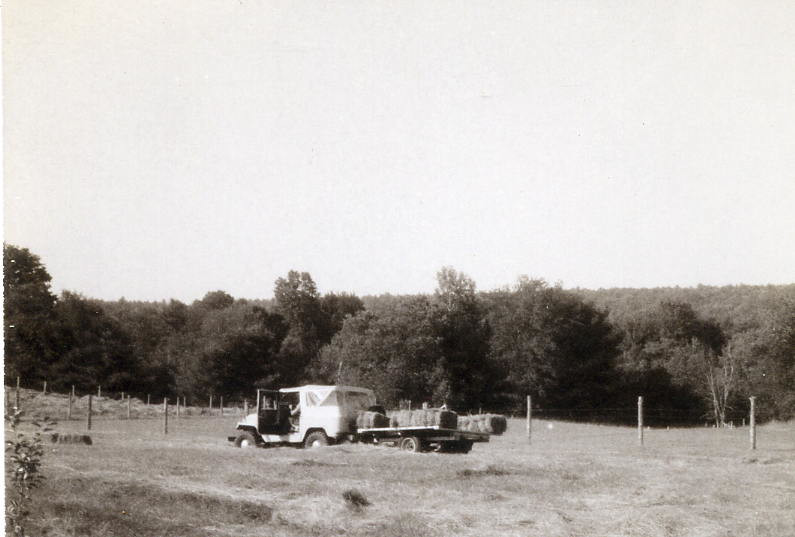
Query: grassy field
point(574, 480)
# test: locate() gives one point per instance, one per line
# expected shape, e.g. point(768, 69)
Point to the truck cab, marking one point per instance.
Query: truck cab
point(311, 415)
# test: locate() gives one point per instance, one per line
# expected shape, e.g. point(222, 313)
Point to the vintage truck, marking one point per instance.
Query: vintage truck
point(315, 415)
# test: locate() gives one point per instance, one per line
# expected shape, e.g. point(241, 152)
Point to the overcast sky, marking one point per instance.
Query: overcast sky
point(165, 149)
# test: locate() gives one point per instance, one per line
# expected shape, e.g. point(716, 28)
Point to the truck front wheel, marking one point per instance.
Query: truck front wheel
point(316, 439)
point(245, 440)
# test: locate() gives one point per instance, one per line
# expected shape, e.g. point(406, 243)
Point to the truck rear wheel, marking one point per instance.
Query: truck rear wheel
point(411, 443)
point(316, 439)
point(245, 440)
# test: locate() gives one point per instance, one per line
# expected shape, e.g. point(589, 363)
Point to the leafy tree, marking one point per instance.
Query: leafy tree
point(28, 307)
point(92, 347)
point(234, 351)
point(768, 355)
point(175, 315)
point(554, 345)
point(334, 309)
point(395, 353)
point(217, 300)
point(419, 348)
point(465, 376)
point(298, 302)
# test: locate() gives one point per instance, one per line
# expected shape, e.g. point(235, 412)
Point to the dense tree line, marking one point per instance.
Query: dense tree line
point(695, 352)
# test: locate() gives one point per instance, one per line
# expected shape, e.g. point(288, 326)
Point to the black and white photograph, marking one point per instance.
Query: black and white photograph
point(398, 268)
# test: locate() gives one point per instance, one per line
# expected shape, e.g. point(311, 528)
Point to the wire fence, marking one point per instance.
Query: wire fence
point(101, 406)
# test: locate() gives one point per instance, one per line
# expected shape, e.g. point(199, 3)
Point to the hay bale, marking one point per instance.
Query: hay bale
point(400, 418)
point(70, 438)
point(483, 423)
point(428, 417)
point(497, 423)
point(424, 417)
point(371, 420)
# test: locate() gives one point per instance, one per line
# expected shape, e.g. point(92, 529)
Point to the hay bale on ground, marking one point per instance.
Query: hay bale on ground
point(70, 438)
point(371, 420)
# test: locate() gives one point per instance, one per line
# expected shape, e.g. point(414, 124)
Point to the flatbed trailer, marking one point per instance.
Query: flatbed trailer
point(318, 415)
point(423, 438)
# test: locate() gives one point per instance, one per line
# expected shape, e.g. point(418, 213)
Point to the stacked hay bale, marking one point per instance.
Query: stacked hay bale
point(426, 417)
point(70, 438)
point(399, 418)
point(371, 420)
point(483, 423)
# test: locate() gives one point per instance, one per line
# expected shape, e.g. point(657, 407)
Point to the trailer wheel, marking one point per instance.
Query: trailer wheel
point(445, 447)
point(465, 446)
point(316, 439)
point(245, 440)
point(411, 443)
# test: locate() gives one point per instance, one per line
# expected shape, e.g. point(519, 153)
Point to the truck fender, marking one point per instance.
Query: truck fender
point(252, 430)
point(319, 434)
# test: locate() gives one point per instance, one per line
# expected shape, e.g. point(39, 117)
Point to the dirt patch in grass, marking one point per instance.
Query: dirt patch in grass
point(490, 470)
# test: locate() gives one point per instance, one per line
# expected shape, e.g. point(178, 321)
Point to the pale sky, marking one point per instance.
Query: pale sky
point(157, 150)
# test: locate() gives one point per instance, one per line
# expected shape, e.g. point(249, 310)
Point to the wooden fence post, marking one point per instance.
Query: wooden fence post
point(147, 399)
point(165, 415)
point(245, 407)
point(99, 391)
point(529, 419)
point(122, 396)
point(752, 422)
point(211, 404)
point(88, 419)
point(640, 420)
point(178, 407)
point(69, 411)
point(44, 390)
point(129, 406)
point(16, 396)
point(221, 406)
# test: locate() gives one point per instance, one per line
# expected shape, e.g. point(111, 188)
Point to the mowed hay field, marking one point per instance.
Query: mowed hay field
point(574, 480)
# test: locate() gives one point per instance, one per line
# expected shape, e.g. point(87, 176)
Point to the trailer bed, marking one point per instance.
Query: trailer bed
point(423, 438)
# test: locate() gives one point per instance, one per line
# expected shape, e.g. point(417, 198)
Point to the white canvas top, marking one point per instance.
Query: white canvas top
point(320, 387)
